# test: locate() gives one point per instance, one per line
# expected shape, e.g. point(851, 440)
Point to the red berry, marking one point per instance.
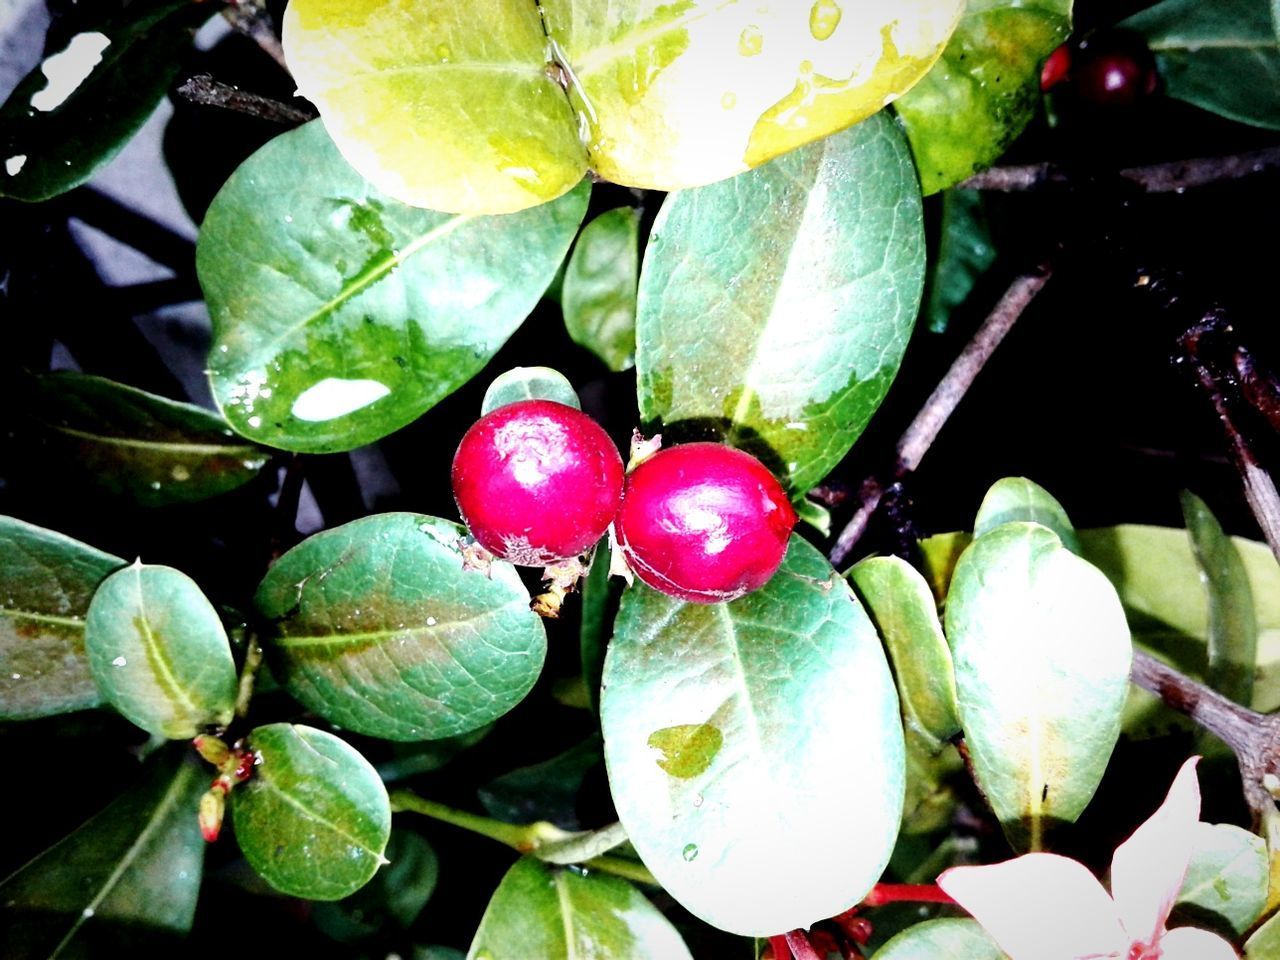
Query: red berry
point(704, 522)
point(1115, 69)
point(537, 481)
point(1056, 68)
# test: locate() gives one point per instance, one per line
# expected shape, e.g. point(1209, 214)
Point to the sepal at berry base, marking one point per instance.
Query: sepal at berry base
point(1042, 906)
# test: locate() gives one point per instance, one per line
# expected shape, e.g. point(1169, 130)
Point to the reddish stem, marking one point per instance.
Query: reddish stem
point(883, 893)
point(800, 946)
point(778, 947)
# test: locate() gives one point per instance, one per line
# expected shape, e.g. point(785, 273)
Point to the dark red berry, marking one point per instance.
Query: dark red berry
point(1114, 69)
point(704, 522)
point(1056, 68)
point(537, 481)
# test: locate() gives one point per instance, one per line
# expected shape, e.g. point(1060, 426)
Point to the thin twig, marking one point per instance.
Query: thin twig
point(205, 90)
point(924, 429)
point(250, 18)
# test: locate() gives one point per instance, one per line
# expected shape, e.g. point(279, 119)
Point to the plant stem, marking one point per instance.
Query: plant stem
point(800, 946)
point(627, 869)
point(883, 893)
point(778, 947)
point(205, 90)
point(924, 429)
point(250, 18)
point(248, 675)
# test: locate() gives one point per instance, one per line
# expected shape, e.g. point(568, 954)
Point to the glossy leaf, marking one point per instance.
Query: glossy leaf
point(339, 314)
point(715, 716)
point(951, 938)
point(984, 91)
point(132, 869)
point(1019, 499)
point(904, 611)
point(380, 628)
point(132, 443)
point(314, 818)
point(440, 105)
point(557, 914)
point(1042, 655)
point(393, 899)
point(599, 292)
point(774, 309)
point(83, 103)
point(1222, 56)
point(46, 583)
point(965, 253)
point(1226, 882)
point(680, 94)
point(529, 383)
point(1232, 629)
point(543, 791)
point(159, 652)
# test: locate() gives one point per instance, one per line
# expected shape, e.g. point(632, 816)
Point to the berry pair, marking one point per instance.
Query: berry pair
point(539, 482)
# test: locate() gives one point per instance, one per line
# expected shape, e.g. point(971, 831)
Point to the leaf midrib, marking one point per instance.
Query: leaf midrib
point(627, 43)
point(337, 639)
point(72, 622)
point(157, 656)
point(164, 446)
point(265, 780)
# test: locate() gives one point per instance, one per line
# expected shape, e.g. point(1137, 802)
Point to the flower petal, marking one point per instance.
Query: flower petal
point(1148, 868)
point(1189, 943)
point(1040, 907)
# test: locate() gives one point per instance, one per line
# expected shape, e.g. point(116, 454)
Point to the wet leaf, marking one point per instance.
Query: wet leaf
point(965, 253)
point(904, 611)
point(599, 292)
point(544, 791)
point(774, 308)
point(1019, 499)
point(314, 818)
point(440, 105)
point(339, 314)
point(132, 870)
point(1042, 656)
point(1222, 57)
point(379, 628)
point(716, 716)
point(46, 583)
point(1226, 883)
point(951, 938)
point(78, 108)
point(680, 94)
point(984, 91)
point(559, 914)
point(393, 899)
point(150, 449)
point(529, 383)
point(159, 652)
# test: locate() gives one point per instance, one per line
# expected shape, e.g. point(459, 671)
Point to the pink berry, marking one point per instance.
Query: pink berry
point(537, 481)
point(704, 522)
point(1115, 69)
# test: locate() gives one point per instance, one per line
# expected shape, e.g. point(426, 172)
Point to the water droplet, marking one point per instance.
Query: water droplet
point(119, 662)
point(335, 397)
point(180, 473)
point(690, 852)
point(697, 799)
point(155, 484)
point(432, 621)
point(729, 101)
point(255, 422)
point(751, 42)
point(87, 912)
point(15, 676)
point(824, 17)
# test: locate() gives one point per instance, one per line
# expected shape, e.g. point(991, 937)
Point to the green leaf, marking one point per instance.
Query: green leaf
point(529, 383)
point(46, 583)
point(393, 899)
point(561, 914)
point(1226, 883)
point(1232, 631)
point(135, 866)
point(1222, 57)
point(339, 314)
point(984, 91)
point(1265, 942)
point(715, 719)
point(543, 791)
point(1019, 499)
point(774, 308)
point(1042, 655)
point(953, 939)
point(314, 818)
point(931, 797)
point(159, 652)
point(138, 445)
point(83, 103)
point(904, 612)
point(599, 293)
point(965, 253)
point(601, 594)
point(380, 628)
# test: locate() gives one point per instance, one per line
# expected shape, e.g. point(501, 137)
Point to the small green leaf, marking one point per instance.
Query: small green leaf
point(83, 103)
point(774, 308)
point(716, 716)
point(1042, 655)
point(339, 314)
point(134, 866)
point(159, 652)
point(394, 898)
point(1265, 942)
point(1232, 631)
point(314, 818)
point(599, 293)
point(46, 583)
point(904, 612)
point(559, 914)
point(544, 791)
point(984, 91)
point(529, 383)
point(1226, 882)
point(932, 939)
point(965, 253)
point(1020, 499)
point(138, 445)
point(1222, 57)
point(380, 628)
